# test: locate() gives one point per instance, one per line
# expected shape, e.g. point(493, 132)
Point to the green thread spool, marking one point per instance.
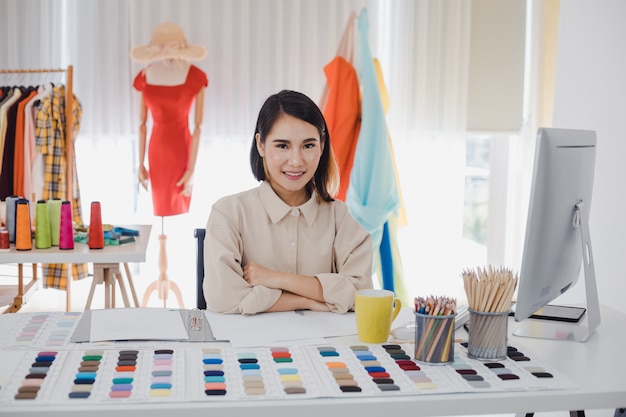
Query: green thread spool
point(54, 219)
point(43, 238)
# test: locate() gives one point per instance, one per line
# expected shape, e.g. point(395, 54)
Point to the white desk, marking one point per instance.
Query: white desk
point(129, 252)
point(597, 367)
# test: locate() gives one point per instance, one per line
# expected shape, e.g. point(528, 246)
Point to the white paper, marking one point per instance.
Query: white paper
point(137, 324)
point(270, 329)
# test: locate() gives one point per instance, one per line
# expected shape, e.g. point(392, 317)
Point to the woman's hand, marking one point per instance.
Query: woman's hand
point(256, 274)
point(318, 306)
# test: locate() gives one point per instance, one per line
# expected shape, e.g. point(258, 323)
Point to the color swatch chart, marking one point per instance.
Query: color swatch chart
point(261, 373)
point(517, 372)
point(214, 372)
point(365, 370)
point(97, 375)
point(36, 376)
point(36, 330)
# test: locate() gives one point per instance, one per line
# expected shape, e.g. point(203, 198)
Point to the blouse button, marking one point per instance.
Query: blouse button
point(292, 244)
point(294, 212)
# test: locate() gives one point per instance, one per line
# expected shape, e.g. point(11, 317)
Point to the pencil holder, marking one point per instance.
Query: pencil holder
point(487, 335)
point(434, 339)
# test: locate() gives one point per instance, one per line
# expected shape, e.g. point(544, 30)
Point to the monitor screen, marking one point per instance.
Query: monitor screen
point(557, 236)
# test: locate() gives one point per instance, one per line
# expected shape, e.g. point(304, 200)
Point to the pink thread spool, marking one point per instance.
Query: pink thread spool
point(66, 232)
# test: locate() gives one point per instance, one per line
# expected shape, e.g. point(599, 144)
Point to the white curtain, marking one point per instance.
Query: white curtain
point(256, 48)
point(30, 34)
point(426, 71)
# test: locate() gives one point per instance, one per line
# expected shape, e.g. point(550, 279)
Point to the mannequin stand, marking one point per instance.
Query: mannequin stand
point(163, 285)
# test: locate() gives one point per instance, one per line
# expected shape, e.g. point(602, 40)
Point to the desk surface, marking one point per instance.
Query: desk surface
point(129, 252)
point(596, 367)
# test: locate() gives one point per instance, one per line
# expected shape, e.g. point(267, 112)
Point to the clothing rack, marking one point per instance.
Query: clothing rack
point(69, 152)
point(69, 121)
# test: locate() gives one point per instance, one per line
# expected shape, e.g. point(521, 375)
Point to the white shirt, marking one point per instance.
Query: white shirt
point(318, 239)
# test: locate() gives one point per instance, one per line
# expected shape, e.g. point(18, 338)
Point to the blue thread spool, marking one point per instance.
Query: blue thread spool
point(10, 216)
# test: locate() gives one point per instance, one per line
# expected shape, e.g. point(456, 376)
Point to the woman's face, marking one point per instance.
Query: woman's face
point(292, 151)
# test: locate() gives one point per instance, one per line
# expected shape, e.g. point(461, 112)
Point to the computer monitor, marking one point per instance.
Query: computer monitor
point(557, 241)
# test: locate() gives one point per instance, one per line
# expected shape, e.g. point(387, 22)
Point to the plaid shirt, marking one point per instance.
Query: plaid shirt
point(50, 141)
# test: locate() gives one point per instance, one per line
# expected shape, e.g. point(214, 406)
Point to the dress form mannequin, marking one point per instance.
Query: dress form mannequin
point(170, 87)
point(168, 72)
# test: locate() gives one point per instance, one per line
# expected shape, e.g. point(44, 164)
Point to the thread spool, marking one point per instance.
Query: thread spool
point(10, 216)
point(66, 229)
point(23, 230)
point(4, 240)
point(54, 217)
point(42, 226)
point(96, 233)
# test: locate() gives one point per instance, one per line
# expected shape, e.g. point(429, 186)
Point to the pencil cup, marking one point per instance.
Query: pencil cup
point(434, 339)
point(487, 335)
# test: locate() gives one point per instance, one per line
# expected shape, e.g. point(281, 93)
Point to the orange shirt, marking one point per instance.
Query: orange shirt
point(343, 116)
point(18, 162)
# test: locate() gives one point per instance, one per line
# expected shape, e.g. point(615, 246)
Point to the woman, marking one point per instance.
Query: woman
point(287, 244)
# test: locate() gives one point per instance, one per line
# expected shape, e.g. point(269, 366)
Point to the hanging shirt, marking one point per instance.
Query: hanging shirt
point(33, 171)
point(8, 155)
point(15, 95)
point(50, 141)
point(343, 116)
point(18, 159)
point(318, 239)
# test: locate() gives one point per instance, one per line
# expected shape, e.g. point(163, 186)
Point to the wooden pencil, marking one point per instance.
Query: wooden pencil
point(489, 290)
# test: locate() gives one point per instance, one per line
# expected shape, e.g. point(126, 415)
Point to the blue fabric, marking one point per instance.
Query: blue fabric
point(386, 260)
point(373, 192)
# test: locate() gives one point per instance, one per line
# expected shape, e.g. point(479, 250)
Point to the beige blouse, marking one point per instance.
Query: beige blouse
point(318, 239)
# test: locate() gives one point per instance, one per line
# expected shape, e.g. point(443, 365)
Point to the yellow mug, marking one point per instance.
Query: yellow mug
point(375, 310)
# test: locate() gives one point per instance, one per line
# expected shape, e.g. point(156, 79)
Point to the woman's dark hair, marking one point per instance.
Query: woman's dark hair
point(325, 181)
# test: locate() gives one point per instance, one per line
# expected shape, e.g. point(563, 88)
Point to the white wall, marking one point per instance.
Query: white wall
point(591, 94)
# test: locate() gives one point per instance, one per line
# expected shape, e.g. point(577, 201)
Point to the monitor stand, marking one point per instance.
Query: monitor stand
point(581, 331)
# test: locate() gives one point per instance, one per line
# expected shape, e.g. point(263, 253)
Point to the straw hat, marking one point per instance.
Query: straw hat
point(168, 41)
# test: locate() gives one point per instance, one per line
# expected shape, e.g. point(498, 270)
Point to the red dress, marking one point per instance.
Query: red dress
point(170, 141)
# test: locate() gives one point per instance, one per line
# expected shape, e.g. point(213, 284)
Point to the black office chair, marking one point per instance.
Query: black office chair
point(199, 235)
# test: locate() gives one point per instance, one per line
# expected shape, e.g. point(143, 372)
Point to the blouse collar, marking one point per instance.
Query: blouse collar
point(277, 209)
